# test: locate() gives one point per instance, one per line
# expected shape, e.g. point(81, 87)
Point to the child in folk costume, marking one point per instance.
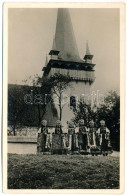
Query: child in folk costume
point(103, 137)
point(83, 136)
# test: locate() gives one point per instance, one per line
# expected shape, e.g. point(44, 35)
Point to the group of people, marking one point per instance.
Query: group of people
point(87, 140)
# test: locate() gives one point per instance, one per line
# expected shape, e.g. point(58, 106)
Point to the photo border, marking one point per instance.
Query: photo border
point(121, 6)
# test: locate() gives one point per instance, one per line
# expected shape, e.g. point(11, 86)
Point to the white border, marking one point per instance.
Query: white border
point(122, 89)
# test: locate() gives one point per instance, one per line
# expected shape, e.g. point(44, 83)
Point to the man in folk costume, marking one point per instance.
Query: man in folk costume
point(103, 134)
point(83, 137)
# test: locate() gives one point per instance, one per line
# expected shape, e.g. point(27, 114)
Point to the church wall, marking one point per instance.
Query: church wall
point(75, 74)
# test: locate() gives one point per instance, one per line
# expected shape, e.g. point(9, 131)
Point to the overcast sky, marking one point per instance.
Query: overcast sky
point(31, 33)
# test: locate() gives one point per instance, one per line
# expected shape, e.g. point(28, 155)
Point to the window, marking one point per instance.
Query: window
point(73, 101)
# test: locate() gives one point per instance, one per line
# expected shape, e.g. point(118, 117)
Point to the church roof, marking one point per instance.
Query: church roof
point(51, 115)
point(64, 37)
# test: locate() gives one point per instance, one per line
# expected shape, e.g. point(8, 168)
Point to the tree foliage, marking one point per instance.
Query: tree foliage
point(19, 112)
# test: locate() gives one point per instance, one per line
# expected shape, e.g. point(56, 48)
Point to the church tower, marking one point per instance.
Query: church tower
point(65, 59)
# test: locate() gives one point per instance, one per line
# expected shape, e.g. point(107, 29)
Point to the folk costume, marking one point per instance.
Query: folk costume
point(42, 142)
point(57, 138)
point(72, 137)
point(92, 134)
point(83, 136)
point(103, 136)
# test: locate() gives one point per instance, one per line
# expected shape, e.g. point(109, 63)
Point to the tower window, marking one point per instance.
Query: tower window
point(73, 101)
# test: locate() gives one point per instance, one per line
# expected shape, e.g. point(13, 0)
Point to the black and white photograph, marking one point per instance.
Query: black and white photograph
point(63, 123)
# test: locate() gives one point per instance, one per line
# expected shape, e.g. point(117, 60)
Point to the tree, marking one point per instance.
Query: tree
point(19, 112)
point(16, 107)
point(39, 92)
point(84, 111)
point(55, 85)
point(109, 111)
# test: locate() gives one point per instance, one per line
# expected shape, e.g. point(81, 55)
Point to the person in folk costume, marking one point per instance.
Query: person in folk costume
point(83, 136)
point(92, 134)
point(58, 131)
point(71, 136)
point(103, 136)
point(44, 130)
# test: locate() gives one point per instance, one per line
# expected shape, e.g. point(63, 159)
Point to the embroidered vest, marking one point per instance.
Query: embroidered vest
point(44, 130)
point(103, 130)
point(58, 129)
point(82, 129)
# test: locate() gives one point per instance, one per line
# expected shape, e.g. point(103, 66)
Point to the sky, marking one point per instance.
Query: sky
point(30, 38)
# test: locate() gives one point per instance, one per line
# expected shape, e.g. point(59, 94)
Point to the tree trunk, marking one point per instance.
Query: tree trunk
point(14, 130)
point(39, 116)
point(60, 114)
point(60, 107)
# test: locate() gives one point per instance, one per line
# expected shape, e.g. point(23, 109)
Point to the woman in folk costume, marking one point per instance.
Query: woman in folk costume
point(83, 136)
point(58, 131)
point(42, 136)
point(92, 134)
point(103, 134)
point(57, 138)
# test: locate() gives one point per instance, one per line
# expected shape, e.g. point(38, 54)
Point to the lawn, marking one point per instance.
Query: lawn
point(62, 172)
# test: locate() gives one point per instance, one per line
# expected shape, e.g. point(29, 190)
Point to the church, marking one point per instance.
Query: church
point(64, 59)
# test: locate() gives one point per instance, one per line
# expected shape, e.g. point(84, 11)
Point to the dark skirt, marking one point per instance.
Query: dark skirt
point(83, 141)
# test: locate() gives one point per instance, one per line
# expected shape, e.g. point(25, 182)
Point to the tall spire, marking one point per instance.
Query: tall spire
point(54, 52)
point(54, 45)
point(88, 57)
point(87, 49)
point(64, 37)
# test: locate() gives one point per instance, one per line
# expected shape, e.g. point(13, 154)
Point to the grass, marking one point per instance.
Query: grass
point(62, 172)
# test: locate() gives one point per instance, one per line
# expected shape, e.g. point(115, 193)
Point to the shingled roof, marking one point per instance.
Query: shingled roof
point(64, 37)
point(51, 115)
